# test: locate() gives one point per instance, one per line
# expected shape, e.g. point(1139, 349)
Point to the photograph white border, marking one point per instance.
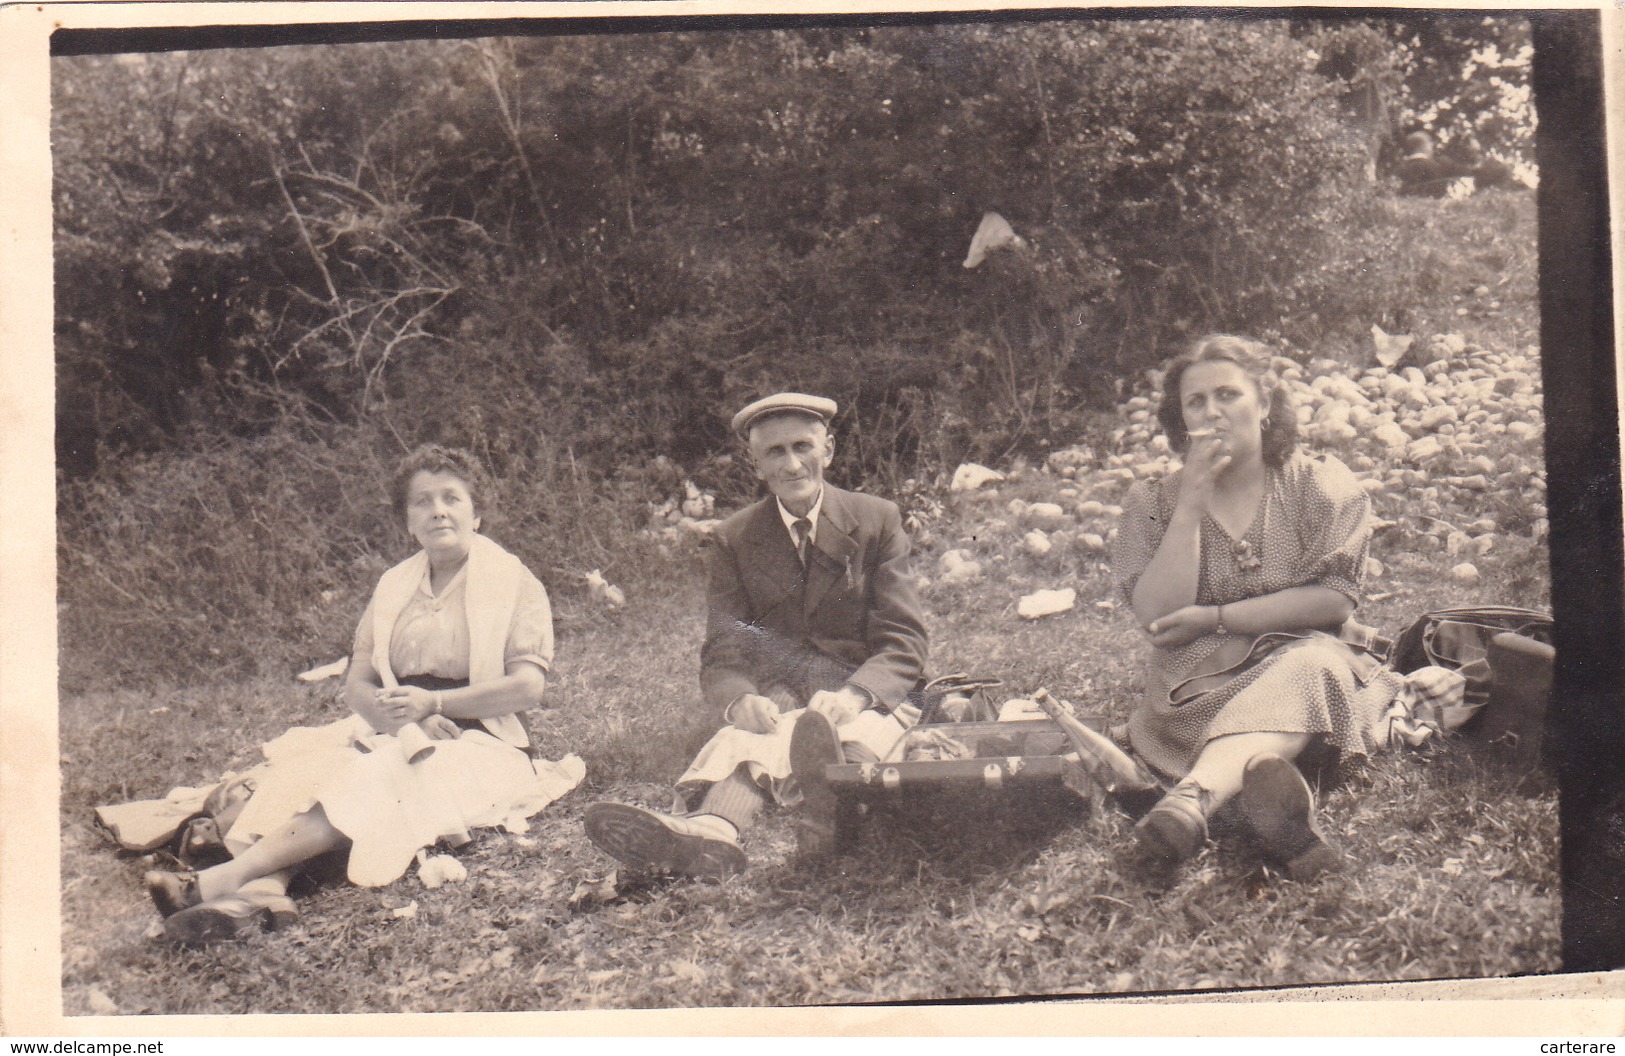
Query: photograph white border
point(30, 889)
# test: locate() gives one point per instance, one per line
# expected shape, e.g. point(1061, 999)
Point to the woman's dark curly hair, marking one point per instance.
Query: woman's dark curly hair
point(432, 458)
point(1280, 424)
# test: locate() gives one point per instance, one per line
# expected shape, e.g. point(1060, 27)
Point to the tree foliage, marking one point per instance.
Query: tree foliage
point(574, 253)
point(1469, 75)
point(668, 222)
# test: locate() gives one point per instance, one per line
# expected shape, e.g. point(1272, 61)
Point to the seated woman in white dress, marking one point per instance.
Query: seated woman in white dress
point(458, 639)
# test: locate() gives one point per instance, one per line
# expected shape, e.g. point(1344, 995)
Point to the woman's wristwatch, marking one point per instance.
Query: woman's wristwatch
point(1218, 622)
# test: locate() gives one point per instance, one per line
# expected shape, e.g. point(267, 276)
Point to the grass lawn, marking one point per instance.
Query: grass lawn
point(1044, 903)
point(1455, 856)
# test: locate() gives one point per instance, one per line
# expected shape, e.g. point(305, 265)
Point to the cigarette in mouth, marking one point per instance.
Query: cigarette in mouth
point(1201, 434)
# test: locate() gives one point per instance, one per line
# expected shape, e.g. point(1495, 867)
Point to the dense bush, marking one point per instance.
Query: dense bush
point(727, 212)
point(257, 556)
point(219, 561)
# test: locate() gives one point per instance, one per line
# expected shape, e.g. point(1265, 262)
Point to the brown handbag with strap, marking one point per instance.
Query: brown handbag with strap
point(1458, 639)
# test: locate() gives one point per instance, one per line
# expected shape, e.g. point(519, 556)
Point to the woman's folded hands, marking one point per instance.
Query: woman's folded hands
point(440, 728)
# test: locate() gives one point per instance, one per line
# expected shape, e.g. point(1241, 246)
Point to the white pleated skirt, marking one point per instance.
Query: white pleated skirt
point(390, 808)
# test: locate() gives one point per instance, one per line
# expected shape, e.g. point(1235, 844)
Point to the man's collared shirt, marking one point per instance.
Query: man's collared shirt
point(790, 519)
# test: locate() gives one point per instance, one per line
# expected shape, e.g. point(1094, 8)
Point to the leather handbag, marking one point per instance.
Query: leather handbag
point(1458, 639)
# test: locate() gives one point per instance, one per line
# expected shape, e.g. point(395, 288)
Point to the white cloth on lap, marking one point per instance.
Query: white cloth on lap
point(766, 756)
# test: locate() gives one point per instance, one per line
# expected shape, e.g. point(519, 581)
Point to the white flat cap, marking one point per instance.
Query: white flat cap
point(815, 406)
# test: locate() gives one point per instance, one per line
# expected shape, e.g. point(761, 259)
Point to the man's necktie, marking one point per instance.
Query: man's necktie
point(803, 529)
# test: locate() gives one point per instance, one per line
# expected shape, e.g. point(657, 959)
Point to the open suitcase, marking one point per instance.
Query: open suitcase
point(1022, 766)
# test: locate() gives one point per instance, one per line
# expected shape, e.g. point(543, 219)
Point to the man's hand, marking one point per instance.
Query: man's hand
point(838, 706)
point(754, 714)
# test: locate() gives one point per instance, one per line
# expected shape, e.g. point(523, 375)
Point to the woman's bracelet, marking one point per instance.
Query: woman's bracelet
point(1218, 623)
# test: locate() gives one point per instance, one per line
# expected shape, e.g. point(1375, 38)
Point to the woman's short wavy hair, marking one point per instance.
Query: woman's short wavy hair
point(1280, 436)
point(432, 458)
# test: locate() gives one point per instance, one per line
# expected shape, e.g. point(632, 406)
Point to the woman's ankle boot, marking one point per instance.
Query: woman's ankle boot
point(1176, 828)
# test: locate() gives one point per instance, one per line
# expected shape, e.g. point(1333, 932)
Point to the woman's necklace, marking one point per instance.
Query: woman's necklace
point(1241, 549)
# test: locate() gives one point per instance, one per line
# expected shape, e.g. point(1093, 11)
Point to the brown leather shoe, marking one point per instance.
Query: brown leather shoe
point(661, 843)
point(1176, 828)
point(230, 918)
point(172, 892)
point(814, 744)
point(1279, 807)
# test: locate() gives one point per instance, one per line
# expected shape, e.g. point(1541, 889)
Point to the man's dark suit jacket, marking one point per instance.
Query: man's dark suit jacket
point(851, 616)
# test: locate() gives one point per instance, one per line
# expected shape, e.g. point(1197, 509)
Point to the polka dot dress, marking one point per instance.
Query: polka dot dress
point(1312, 527)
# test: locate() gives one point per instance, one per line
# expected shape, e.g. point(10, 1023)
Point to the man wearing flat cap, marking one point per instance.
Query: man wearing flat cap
point(813, 643)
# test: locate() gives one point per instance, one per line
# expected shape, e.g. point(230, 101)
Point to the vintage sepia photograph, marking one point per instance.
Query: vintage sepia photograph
point(677, 512)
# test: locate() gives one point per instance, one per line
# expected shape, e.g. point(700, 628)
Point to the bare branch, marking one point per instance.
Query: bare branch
point(378, 307)
point(507, 110)
point(340, 184)
point(304, 232)
point(402, 333)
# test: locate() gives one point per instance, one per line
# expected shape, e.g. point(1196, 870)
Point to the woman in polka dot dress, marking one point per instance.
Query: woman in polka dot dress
point(1243, 568)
